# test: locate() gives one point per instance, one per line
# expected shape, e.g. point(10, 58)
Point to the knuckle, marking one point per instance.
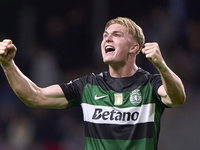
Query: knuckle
point(7, 41)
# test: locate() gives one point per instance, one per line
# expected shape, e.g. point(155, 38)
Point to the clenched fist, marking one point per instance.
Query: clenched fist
point(7, 52)
point(153, 54)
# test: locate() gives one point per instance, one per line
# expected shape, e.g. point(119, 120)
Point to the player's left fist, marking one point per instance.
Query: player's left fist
point(153, 54)
point(7, 51)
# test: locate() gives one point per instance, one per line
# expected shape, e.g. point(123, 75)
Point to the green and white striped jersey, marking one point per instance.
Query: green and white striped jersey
point(119, 113)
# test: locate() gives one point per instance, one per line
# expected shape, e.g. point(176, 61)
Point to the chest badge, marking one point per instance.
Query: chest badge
point(118, 98)
point(135, 97)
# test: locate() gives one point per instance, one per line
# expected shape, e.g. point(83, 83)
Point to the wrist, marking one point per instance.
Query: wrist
point(5, 65)
point(162, 66)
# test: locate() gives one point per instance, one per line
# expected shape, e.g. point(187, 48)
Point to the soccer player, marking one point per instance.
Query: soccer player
point(122, 107)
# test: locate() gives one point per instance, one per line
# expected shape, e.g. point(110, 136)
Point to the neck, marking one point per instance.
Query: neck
point(123, 71)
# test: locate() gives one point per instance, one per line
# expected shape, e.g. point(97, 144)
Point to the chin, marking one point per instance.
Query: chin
point(107, 61)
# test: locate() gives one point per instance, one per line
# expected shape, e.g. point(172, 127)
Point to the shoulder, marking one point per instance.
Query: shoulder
point(153, 79)
point(150, 76)
point(91, 78)
point(145, 77)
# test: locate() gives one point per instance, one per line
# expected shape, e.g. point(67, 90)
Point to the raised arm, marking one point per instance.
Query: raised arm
point(172, 91)
point(25, 89)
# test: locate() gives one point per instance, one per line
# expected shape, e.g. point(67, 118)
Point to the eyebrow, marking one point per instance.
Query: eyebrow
point(113, 32)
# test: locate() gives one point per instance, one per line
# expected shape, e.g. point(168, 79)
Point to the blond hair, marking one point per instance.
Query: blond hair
point(132, 28)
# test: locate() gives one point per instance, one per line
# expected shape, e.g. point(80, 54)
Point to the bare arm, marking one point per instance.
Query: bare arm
point(25, 89)
point(172, 91)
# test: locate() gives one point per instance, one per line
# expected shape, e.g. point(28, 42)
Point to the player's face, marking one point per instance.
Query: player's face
point(116, 44)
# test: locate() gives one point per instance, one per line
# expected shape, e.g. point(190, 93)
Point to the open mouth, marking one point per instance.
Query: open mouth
point(109, 49)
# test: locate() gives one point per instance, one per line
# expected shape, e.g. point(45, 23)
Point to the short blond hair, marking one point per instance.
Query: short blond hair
point(132, 28)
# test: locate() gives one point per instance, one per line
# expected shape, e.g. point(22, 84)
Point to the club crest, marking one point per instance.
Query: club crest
point(135, 97)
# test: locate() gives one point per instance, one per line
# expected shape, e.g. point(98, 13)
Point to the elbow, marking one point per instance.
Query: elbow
point(181, 99)
point(28, 104)
point(177, 101)
point(183, 96)
point(29, 101)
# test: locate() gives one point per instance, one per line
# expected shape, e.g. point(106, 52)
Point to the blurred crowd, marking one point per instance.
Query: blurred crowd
point(59, 40)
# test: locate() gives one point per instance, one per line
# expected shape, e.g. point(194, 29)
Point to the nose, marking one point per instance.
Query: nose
point(109, 38)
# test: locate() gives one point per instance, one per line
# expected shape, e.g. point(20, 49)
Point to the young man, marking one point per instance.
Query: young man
point(121, 107)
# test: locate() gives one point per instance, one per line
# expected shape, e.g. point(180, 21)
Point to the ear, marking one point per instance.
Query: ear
point(134, 48)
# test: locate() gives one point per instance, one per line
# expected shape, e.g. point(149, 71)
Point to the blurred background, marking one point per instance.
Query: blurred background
point(59, 40)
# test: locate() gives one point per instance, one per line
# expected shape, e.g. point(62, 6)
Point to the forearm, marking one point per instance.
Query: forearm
point(24, 88)
point(172, 85)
